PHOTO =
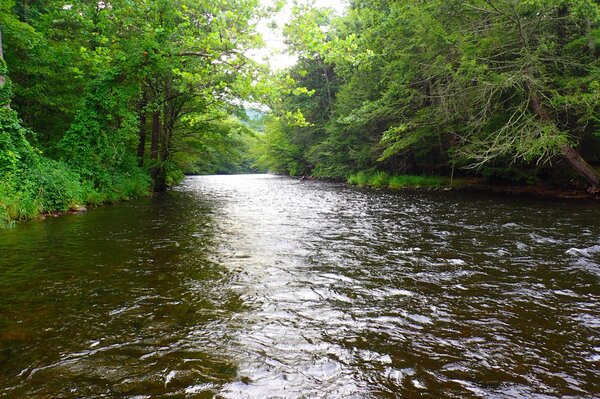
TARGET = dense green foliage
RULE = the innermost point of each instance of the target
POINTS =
(214, 147)
(108, 100)
(103, 101)
(508, 89)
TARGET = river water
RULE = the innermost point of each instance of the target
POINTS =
(259, 286)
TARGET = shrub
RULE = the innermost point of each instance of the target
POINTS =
(58, 187)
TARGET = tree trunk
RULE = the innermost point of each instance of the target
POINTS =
(155, 135)
(590, 38)
(577, 162)
(168, 123)
(2, 74)
(23, 17)
(142, 138)
(1, 49)
(158, 171)
(160, 176)
(581, 166)
(166, 133)
(168, 120)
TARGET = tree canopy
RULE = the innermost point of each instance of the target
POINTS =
(117, 92)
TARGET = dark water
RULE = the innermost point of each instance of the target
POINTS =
(268, 287)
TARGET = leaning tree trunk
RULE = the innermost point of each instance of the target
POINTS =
(160, 177)
(156, 168)
(142, 140)
(575, 160)
(170, 112)
(581, 166)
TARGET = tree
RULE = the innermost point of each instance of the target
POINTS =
(425, 86)
(506, 79)
(173, 58)
(93, 79)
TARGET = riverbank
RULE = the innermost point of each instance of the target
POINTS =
(538, 190)
(18, 207)
(33, 184)
(399, 182)
(55, 198)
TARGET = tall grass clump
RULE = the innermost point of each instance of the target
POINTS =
(401, 181)
(359, 179)
(7, 207)
(376, 179)
(379, 179)
(124, 186)
(40, 186)
(51, 186)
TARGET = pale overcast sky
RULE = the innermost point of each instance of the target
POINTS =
(274, 52)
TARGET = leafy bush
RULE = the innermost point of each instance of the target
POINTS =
(133, 184)
(31, 184)
(54, 185)
(174, 174)
(97, 145)
(7, 206)
(93, 196)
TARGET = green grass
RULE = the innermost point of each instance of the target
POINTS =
(418, 181)
(359, 179)
(379, 179)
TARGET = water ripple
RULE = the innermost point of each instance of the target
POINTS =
(270, 287)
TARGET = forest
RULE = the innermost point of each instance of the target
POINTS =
(103, 101)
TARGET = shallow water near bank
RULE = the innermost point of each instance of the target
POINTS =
(259, 286)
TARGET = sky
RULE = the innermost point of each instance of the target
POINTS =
(275, 47)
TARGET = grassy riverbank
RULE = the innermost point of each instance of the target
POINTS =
(52, 188)
(380, 179)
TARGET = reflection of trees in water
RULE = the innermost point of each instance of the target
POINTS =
(114, 300)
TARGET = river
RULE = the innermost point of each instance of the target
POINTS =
(259, 286)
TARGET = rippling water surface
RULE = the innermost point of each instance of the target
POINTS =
(268, 287)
